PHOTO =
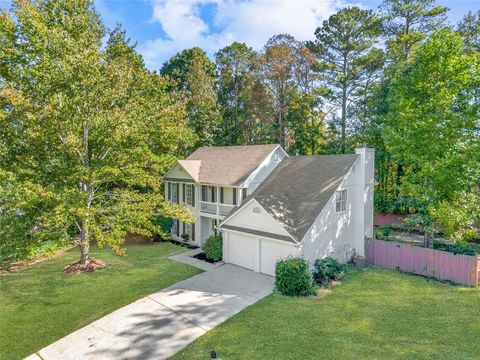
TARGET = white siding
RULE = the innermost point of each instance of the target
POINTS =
(253, 216)
(264, 169)
(178, 172)
(332, 232)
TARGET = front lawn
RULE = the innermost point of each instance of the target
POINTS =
(41, 304)
(375, 314)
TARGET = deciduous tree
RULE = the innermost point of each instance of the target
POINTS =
(85, 130)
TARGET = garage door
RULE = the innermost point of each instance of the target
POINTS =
(270, 252)
(241, 250)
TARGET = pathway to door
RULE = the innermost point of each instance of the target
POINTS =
(164, 322)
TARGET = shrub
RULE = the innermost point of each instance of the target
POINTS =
(213, 248)
(164, 225)
(293, 277)
(185, 238)
(328, 269)
(386, 231)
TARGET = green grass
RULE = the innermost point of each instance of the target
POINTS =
(41, 304)
(375, 314)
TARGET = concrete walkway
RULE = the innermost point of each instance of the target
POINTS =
(164, 322)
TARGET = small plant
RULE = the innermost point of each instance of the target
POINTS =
(386, 231)
(213, 248)
(185, 238)
(293, 277)
(326, 270)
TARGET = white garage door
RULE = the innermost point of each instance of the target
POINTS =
(241, 250)
(270, 252)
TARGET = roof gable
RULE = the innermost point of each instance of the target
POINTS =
(253, 216)
(296, 192)
(229, 165)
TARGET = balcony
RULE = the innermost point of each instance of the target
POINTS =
(215, 208)
(208, 207)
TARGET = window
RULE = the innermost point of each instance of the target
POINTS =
(174, 193)
(188, 231)
(189, 194)
(175, 227)
(341, 200)
(209, 193)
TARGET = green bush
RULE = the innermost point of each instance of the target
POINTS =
(213, 248)
(456, 248)
(164, 225)
(327, 269)
(293, 277)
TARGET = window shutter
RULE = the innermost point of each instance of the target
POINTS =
(178, 193)
(221, 195)
(183, 192)
(178, 228)
(183, 231)
(169, 195)
(193, 232)
(244, 193)
(193, 195)
(234, 196)
(214, 190)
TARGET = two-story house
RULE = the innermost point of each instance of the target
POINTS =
(269, 205)
(213, 180)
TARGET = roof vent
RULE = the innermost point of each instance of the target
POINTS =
(256, 210)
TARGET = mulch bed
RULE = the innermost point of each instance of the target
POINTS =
(181, 244)
(77, 268)
(202, 256)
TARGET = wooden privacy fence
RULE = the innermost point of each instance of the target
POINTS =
(442, 265)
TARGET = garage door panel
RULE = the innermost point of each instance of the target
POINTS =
(270, 252)
(241, 250)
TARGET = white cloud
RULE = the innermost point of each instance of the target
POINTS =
(249, 21)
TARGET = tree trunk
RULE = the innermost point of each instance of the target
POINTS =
(344, 119)
(84, 246)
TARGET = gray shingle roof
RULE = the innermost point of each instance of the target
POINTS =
(229, 165)
(299, 188)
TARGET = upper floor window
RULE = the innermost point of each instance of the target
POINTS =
(174, 193)
(189, 194)
(209, 193)
(341, 200)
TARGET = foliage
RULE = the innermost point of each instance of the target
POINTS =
(469, 29)
(164, 224)
(408, 22)
(436, 90)
(236, 83)
(326, 270)
(213, 248)
(458, 219)
(194, 77)
(456, 248)
(293, 277)
(185, 238)
(400, 205)
(85, 129)
(63, 304)
(348, 62)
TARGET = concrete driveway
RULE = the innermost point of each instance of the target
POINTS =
(164, 322)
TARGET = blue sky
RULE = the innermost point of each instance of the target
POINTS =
(161, 28)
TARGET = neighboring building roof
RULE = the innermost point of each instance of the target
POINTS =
(299, 188)
(192, 167)
(229, 165)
